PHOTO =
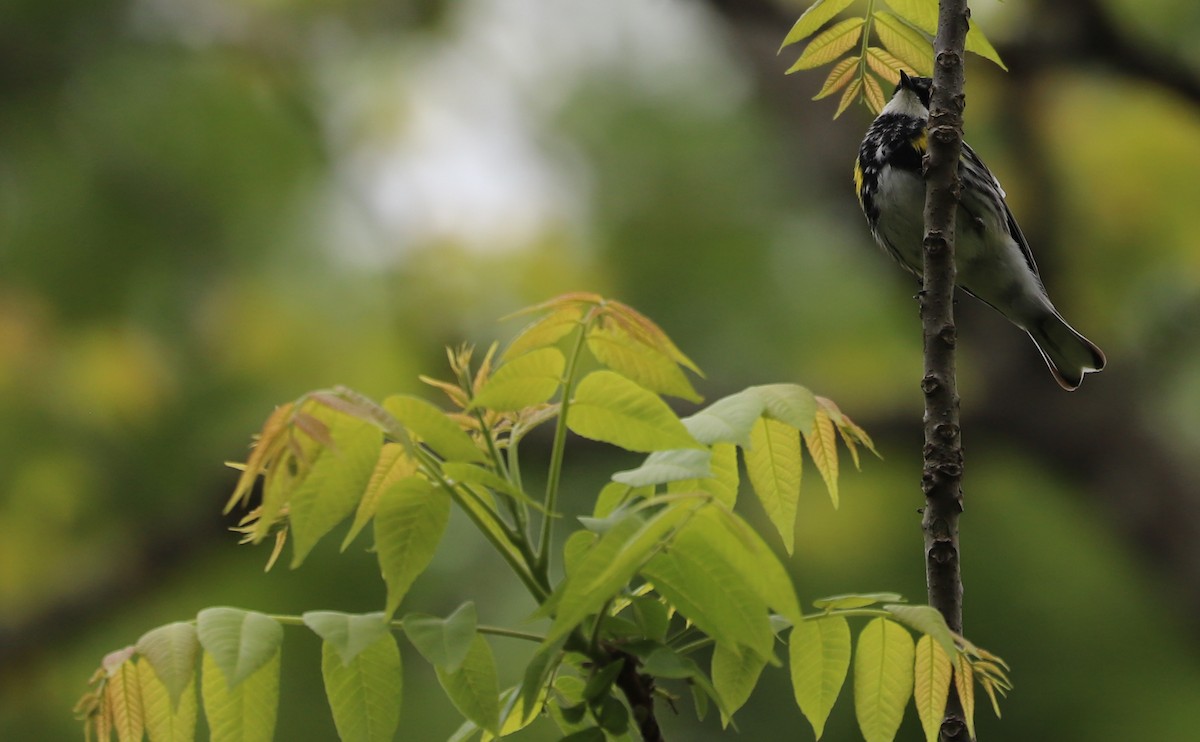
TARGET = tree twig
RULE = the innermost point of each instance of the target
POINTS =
(942, 472)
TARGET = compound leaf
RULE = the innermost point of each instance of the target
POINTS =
(610, 408)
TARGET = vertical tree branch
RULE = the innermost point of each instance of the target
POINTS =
(941, 477)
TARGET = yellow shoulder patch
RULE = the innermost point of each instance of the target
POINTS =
(858, 181)
(920, 142)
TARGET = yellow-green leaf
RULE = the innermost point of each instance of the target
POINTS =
(245, 712)
(364, 693)
(608, 407)
(848, 96)
(710, 578)
(822, 446)
(775, 468)
(813, 18)
(908, 45)
(722, 483)
(855, 600)
(473, 688)
(335, 480)
(964, 682)
(609, 564)
(840, 76)
(443, 642)
(545, 331)
(662, 467)
(409, 523)
(885, 64)
(924, 15)
(788, 403)
(931, 678)
(873, 93)
(646, 331)
(729, 419)
(431, 425)
(348, 633)
(172, 651)
(927, 620)
(830, 44)
(734, 675)
(525, 381)
(123, 695)
(749, 554)
(649, 366)
(269, 441)
(168, 719)
(819, 657)
(239, 642)
(393, 465)
(883, 678)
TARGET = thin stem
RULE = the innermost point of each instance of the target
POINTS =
(556, 453)
(398, 624)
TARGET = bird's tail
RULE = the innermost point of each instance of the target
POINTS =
(1068, 354)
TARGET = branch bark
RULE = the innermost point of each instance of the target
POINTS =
(941, 478)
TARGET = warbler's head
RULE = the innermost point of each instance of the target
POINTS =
(911, 97)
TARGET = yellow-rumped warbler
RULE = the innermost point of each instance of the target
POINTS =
(994, 261)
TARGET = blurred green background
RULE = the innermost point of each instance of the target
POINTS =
(208, 207)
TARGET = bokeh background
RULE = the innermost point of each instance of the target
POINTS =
(208, 207)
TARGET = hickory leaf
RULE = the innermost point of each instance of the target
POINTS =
(830, 44)
(813, 18)
(819, 657)
(364, 692)
(238, 642)
(610, 408)
(931, 679)
(409, 522)
(883, 678)
(245, 712)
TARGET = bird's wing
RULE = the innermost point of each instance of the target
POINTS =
(981, 174)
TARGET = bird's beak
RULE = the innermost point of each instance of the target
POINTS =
(905, 81)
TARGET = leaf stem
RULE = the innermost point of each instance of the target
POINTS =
(556, 453)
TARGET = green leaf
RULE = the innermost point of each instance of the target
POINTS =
(788, 403)
(964, 682)
(431, 425)
(172, 651)
(576, 545)
(123, 698)
(335, 481)
(728, 420)
(819, 657)
(840, 76)
(459, 471)
(908, 45)
(393, 465)
(883, 678)
(723, 482)
(168, 718)
(695, 576)
(756, 563)
(610, 408)
(661, 467)
(927, 620)
(813, 18)
(590, 734)
(239, 642)
(822, 446)
(613, 495)
(364, 692)
(775, 468)
(443, 642)
(830, 44)
(650, 367)
(931, 678)
(734, 675)
(545, 331)
(537, 674)
(522, 382)
(245, 712)
(348, 633)
(652, 616)
(410, 520)
(473, 688)
(855, 600)
(602, 679)
(611, 563)
(924, 15)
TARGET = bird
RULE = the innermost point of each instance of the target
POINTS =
(993, 259)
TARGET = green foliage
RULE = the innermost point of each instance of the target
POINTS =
(663, 569)
(906, 36)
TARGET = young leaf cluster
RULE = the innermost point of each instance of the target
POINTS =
(864, 71)
(663, 574)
